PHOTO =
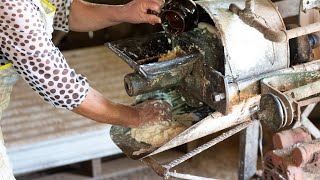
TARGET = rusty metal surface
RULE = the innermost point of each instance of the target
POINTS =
(289, 81)
(153, 164)
(215, 91)
(304, 91)
(228, 57)
(241, 60)
(197, 73)
(290, 89)
(285, 101)
(213, 123)
(121, 136)
(251, 87)
(271, 111)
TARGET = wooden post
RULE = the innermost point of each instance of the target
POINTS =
(249, 139)
(92, 167)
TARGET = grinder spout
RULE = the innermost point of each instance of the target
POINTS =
(164, 76)
(159, 60)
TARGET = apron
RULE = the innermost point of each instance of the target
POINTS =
(9, 76)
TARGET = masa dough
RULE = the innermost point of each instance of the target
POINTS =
(171, 54)
(158, 133)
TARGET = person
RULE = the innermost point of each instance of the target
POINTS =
(27, 51)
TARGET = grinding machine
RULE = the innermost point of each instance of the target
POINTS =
(237, 60)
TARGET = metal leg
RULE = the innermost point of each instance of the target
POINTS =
(314, 131)
(249, 138)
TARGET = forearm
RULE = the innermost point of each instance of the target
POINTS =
(100, 109)
(85, 16)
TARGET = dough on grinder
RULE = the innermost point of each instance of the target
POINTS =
(157, 134)
(175, 52)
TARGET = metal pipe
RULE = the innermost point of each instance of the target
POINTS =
(247, 16)
(300, 31)
(135, 84)
(309, 101)
(304, 91)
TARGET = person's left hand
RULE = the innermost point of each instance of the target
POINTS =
(136, 11)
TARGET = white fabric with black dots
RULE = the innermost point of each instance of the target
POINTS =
(26, 43)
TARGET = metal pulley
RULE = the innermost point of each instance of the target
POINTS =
(283, 96)
(272, 111)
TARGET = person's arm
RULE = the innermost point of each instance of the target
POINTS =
(26, 43)
(85, 16)
(98, 108)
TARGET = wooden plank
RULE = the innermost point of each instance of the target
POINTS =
(92, 167)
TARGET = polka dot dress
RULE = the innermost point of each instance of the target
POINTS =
(25, 42)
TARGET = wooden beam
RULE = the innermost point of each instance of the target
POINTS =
(92, 167)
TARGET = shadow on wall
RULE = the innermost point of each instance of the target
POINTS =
(74, 40)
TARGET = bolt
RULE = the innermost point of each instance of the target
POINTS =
(218, 96)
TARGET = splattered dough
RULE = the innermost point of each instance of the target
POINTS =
(175, 52)
(158, 133)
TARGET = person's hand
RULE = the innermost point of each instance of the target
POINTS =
(152, 111)
(136, 11)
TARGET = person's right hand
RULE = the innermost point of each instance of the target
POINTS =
(136, 11)
(152, 111)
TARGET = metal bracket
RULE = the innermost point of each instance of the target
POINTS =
(164, 170)
(293, 91)
(314, 131)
